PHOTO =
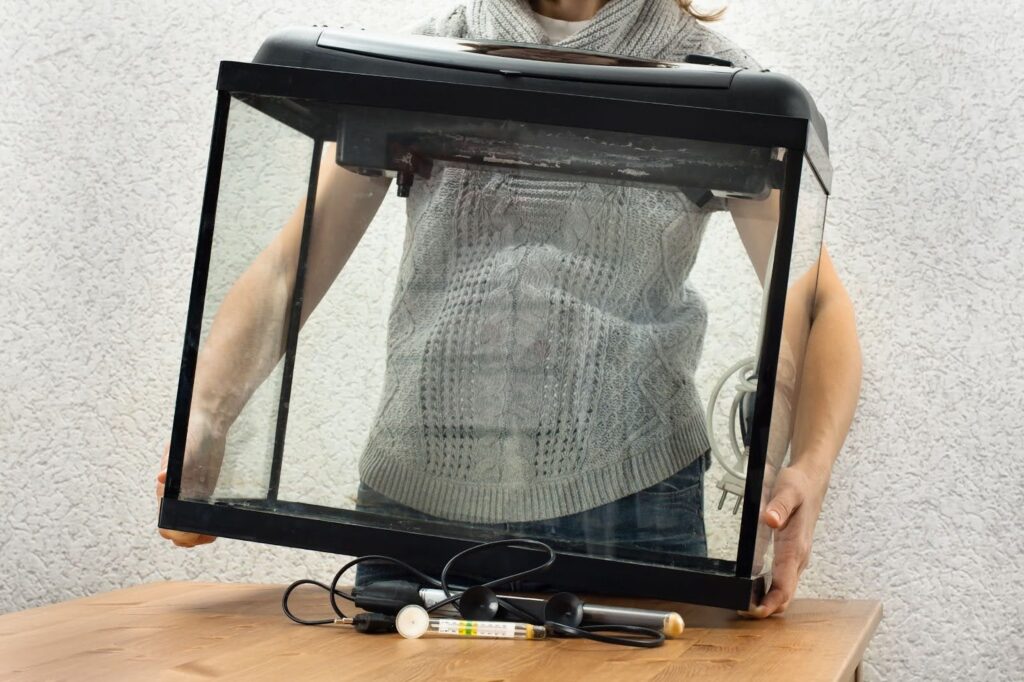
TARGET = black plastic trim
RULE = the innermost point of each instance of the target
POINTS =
(428, 552)
(768, 363)
(524, 99)
(197, 296)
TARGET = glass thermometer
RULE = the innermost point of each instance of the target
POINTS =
(413, 622)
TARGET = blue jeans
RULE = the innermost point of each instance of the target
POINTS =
(667, 518)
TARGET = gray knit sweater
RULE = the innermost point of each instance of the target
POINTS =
(543, 337)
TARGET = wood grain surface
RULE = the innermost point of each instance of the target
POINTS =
(193, 631)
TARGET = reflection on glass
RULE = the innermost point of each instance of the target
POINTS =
(548, 347)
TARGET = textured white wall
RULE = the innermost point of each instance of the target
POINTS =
(105, 111)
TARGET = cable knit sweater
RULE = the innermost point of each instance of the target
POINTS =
(543, 337)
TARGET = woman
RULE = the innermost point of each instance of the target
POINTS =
(592, 471)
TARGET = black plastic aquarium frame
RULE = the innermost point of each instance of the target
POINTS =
(290, 95)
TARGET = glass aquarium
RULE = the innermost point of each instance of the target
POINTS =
(451, 292)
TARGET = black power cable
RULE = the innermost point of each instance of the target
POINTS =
(479, 600)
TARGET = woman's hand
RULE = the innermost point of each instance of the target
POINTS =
(793, 513)
(204, 452)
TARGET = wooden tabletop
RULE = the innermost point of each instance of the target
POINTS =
(191, 631)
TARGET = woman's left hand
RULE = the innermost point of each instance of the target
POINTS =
(792, 512)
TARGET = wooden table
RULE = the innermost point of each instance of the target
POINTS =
(194, 631)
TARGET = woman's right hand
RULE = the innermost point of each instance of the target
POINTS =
(204, 452)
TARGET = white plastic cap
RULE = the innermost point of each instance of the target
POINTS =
(412, 621)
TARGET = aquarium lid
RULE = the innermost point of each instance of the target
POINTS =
(485, 71)
(519, 59)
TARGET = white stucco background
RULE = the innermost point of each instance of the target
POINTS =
(105, 112)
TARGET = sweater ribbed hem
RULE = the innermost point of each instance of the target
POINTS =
(400, 476)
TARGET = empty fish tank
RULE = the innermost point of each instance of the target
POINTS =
(451, 291)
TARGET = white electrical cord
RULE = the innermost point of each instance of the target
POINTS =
(747, 384)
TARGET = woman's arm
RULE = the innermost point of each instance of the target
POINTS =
(247, 337)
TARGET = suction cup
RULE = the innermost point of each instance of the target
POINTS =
(478, 603)
(564, 608)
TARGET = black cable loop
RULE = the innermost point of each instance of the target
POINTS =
(288, 593)
(333, 591)
(526, 617)
(643, 637)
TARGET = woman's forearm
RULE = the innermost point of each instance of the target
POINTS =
(830, 380)
(248, 335)
(246, 338)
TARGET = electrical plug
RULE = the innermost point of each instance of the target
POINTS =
(730, 484)
(370, 623)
